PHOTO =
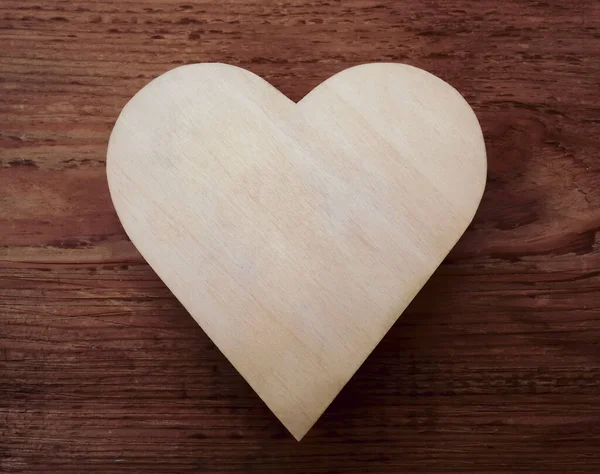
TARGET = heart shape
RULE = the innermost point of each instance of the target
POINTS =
(296, 234)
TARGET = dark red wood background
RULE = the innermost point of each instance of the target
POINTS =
(494, 368)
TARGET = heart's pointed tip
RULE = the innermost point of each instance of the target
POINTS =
(297, 429)
(298, 434)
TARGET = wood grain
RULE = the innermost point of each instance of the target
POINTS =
(494, 368)
(296, 234)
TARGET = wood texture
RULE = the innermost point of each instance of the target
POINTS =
(296, 234)
(495, 367)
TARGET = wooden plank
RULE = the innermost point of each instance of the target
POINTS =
(493, 368)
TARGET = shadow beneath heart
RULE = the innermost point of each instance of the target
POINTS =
(399, 391)
(397, 371)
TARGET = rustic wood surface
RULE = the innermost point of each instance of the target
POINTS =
(495, 367)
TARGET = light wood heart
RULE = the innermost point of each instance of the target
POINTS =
(296, 234)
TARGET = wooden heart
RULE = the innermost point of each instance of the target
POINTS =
(296, 234)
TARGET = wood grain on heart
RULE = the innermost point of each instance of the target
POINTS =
(296, 234)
